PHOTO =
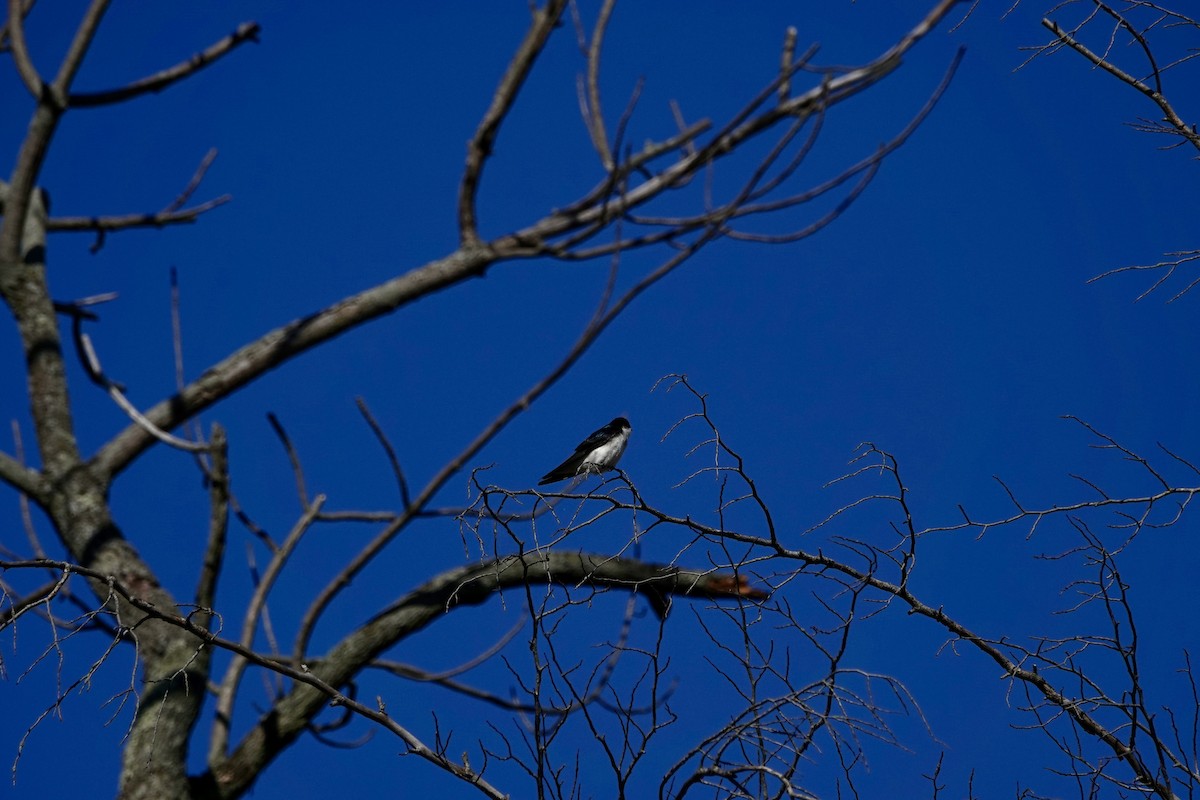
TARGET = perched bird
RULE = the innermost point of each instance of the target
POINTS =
(596, 453)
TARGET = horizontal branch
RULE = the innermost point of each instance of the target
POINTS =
(117, 222)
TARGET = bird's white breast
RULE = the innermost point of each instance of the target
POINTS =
(607, 454)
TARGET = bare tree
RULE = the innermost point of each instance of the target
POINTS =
(779, 607)
(175, 635)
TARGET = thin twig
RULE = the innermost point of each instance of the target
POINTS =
(227, 693)
(246, 32)
(91, 363)
(397, 470)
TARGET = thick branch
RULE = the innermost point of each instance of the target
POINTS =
(24, 288)
(22, 478)
(471, 585)
(51, 105)
(282, 344)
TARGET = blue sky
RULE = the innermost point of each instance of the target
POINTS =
(946, 316)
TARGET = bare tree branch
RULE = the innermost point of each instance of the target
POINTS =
(218, 526)
(15, 29)
(473, 260)
(1167, 270)
(227, 693)
(1170, 116)
(246, 32)
(51, 105)
(22, 478)
(480, 146)
(595, 114)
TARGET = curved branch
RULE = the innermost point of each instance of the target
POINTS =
(465, 586)
(91, 365)
(595, 114)
(20, 52)
(1012, 669)
(246, 32)
(26, 8)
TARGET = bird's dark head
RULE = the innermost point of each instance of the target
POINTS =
(621, 422)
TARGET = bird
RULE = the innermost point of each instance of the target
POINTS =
(596, 453)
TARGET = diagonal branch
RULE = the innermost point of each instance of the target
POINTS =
(22, 478)
(227, 693)
(246, 32)
(751, 122)
(480, 146)
(79, 47)
(284, 343)
(1180, 127)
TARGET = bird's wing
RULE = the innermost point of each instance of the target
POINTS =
(597, 438)
(567, 469)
